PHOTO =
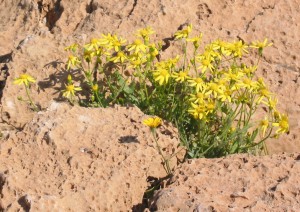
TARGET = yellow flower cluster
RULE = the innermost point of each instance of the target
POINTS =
(211, 85)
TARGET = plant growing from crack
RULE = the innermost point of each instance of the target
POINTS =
(26, 80)
(208, 92)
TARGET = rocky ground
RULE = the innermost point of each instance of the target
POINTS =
(83, 159)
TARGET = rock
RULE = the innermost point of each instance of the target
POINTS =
(75, 158)
(234, 183)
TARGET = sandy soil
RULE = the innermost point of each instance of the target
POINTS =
(71, 158)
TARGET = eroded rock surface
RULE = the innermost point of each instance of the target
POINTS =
(81, 159)
(236, 183)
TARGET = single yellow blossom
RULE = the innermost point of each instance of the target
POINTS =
(206, 63)
(198, 111)
(95, 88)
(25, 79)
(106, 40)
(162, 76)
(196, 40)
(282, 124)
(263, 125)
(221, 46)
(145, 32)
(180, 76)
(183, 33)
(210, 106)
(117, 43)
(271, 102)
(247, 83)
(199, 97)
(226, 95)
(261, 45)
(120, 57)
(152, 122)
(153, 51)
(214, 89)
(93, 45)
(137, 46)
(237, 48)
(198, 83)
(72, 60)
(70, 90)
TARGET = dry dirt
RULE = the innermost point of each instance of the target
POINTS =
(83, 159)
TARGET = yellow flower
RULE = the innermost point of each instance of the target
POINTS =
(95, 87)
(271, 103)
(263, 93)
(282, 124)
(226, 95)
(137, 46)
(263, 125)
(221, 46)
(72, 60)
(152, 122)
(199, 97)
(206, 63)
(237, 48)
(171, 63)
(145, 32)
(214, 89)
(136, 60)
(197, 110)
(261, 45)
(183, 33)
(247, 83)
(232, 76)
(210, 106)
(72, 47)
(120, 57)
(180, 76)
(249, 71)
(106, 40)
(69, 79)
(88, 55)
(70, 91)
(94, 44)
(117, 43)
(195, 40)
(198, 83)
(25, 79)
(210, 52)
(161, 75)
(153, 51)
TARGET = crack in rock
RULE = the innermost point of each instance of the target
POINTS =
(132, 9)
(261, 13)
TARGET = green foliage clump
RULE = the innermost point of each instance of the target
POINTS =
(210, 95)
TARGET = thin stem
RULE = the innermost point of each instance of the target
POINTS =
(35, 108)
(165, 161)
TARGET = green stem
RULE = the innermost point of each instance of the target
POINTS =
(35, 108)
(165, 161)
